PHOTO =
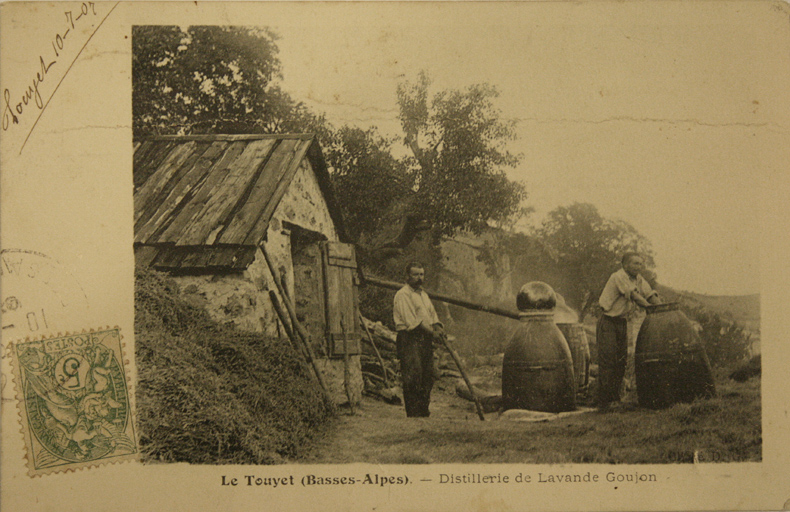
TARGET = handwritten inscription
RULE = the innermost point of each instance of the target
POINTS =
(16, 105)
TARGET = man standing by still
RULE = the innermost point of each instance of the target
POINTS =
(625, 289)
(417, 326)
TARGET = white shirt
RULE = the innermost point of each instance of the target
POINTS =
(411, 308)
(616, 296)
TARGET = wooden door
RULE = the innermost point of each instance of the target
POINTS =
(309, 291)
(341, 298)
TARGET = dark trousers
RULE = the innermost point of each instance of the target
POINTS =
(415, 351)
(612, 338)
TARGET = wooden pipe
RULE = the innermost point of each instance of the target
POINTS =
(392, 285)
(346, 366)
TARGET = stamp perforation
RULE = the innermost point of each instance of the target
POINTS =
(79, 397)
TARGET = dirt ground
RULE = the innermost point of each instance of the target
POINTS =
(722, 429)
(377, 432)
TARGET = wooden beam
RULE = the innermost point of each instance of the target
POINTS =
(444, 298)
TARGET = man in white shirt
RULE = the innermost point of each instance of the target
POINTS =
(625, 290)
(417, 326)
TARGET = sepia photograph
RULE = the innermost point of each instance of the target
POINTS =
(394, 256)
(539, 274)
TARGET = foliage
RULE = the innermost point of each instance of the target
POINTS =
(726, 342)
(208, 393)
(211, 79)
(458, 143)
(368, 180)
(589, 247)
(220, 79)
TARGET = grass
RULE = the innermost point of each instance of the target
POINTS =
(210, 394)
(723, 429)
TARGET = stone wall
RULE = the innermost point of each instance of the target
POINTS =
(303, 204)
(242, 298)
(465, 276)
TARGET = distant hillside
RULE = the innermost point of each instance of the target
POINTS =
(744, 309)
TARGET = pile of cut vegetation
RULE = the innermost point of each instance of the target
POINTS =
(208, 393)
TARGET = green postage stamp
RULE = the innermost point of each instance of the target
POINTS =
(74, 401)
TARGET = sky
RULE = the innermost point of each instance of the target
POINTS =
(658, 113)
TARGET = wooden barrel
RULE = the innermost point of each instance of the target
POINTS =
(670, 362)
(537, 370)
(580, 354)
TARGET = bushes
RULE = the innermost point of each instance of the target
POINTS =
(726, 342)
(208, 393)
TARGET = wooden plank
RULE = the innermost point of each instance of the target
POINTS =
(233, 137)
(210, 221)
(191, 258)
(168, 257)
(258, 195)
(340, 298)
(150, 164)
(257, 226)
(155, 202)
(142, 152)
(202, 257)
(246, 256)
(145, 254)
(146, 162)
(147, 193)
(340, 250)
(200, 194)
(172, 229)
(341, 255)
(341, 282)
(232, 255)
(179, 195)
(342, 263)
(220, 256)
(142, 156)
(309, 293)
(228, 233)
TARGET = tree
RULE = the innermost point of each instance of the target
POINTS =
(458, 140)
(210, 79)
(368, 180)
(588, 248)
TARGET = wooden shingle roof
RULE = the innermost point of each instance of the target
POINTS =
(218, 191)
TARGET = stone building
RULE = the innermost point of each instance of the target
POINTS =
(208, 206)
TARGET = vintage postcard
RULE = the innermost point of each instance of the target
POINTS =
(395, 255)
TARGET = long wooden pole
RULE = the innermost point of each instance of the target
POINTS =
(392, 285)
(297, 325)
(291, 335)
(376, 350)
(346, 366)
(457, 360)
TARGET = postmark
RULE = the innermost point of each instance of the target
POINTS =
(73, 398)
(39, 295)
